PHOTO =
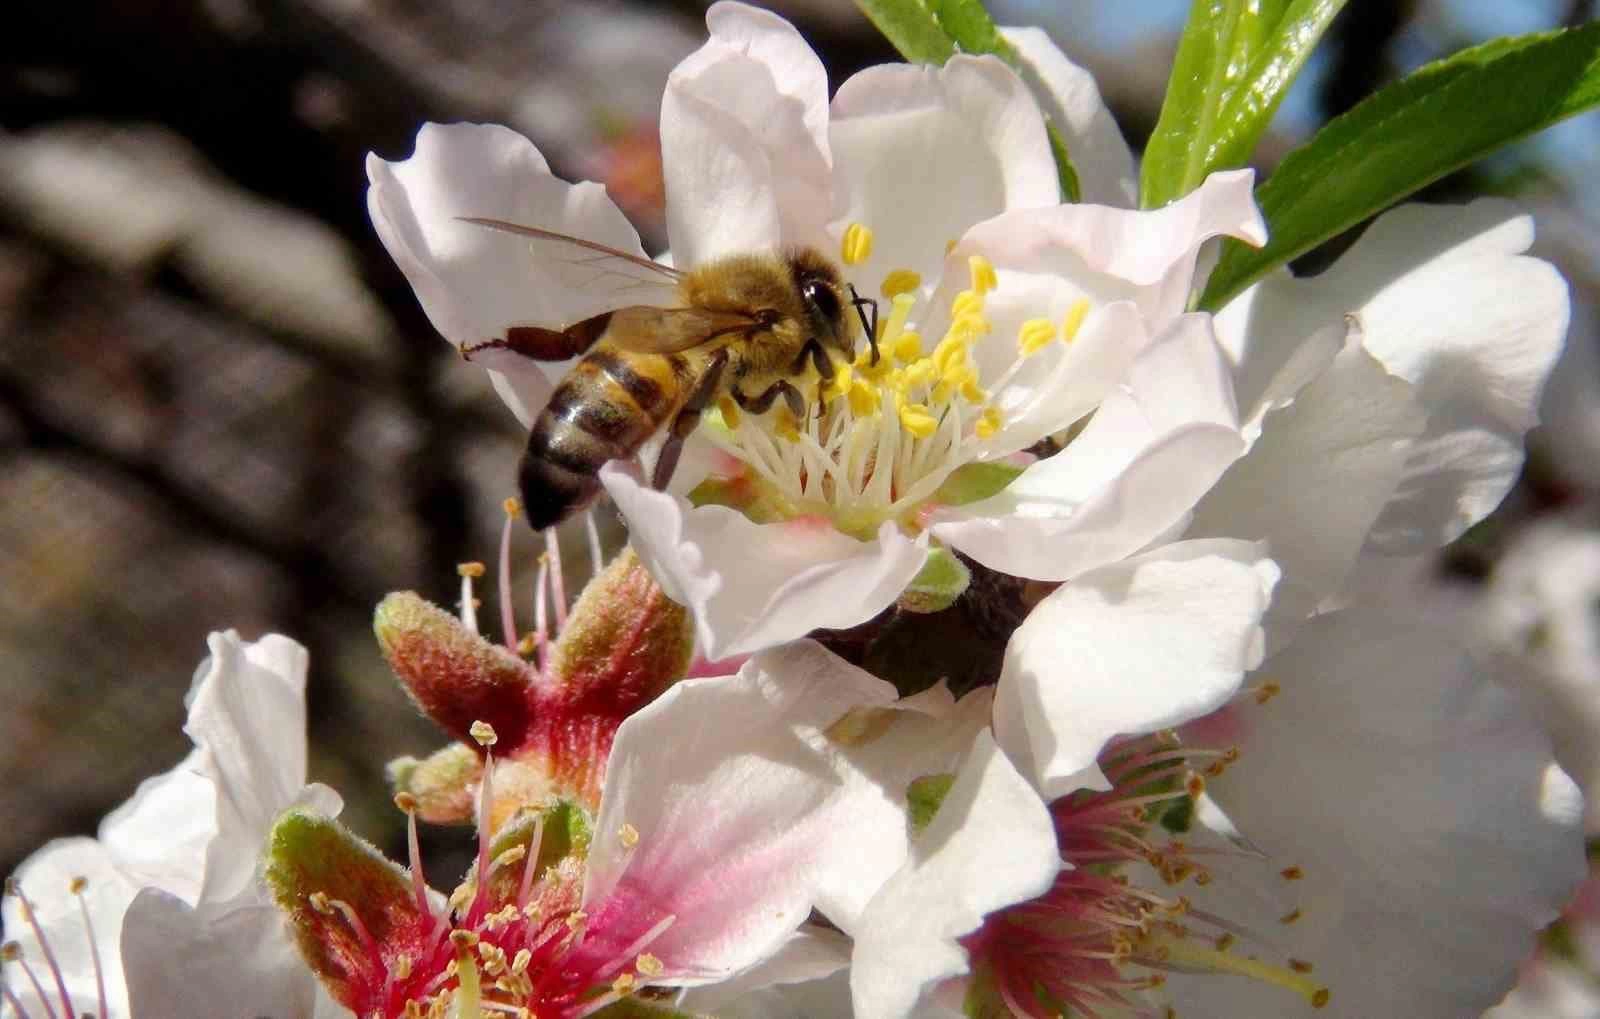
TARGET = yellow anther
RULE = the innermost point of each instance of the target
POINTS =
(949, 245)
(900, 281)
(513, 507)
(863, 399)
(919, 373)
(1074, 320)
(483, 732)
(989, 422)
(982, 274)
(729, 411)
(950, 353)
(857, 246)
(470, 570)
(1035, 335)
(624, 984)
(970, 390)
(914, 418)
(968, 327)
(908, 347)
(628, 834)
(648, 965)
(968, 302)
(839, 385)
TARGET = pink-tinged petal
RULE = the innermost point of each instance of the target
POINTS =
(1431, 832)
(182, 961)
(923, 153)
(247, 716)
(752, 585)
(744, 142)
(742, 814)
(1316, 479)
(795, 976)
(46, 879)
(991, 844)
(1129, 649)
(1447, 301)
(1071, 100)
(1152, 449)
(474, 282)
(1112, 254)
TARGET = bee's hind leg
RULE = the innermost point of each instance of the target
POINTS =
(686, 421)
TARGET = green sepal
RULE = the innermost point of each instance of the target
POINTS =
(923, 798)
(1179, 817)
(308, 854)
(1436, 120)
(624, 639)
(942, 579)
(1235, 63)
(565, 836)
(443, 784)
(973, 481)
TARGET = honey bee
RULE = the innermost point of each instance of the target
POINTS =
(747, 320)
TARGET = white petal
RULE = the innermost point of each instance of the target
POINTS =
(1071, 100)
(1148, 454)
(45, 877)
(183, 962)
(990, 845)
(1419, 800)
(474, 282)
(1111, 254)
(793, 982)
(742, 815)
(1318, 476)
(752, 585)
(744, 144)
(159, 836)
(1449, 303)
(923, 153)
(1129, 649)
(247, 718)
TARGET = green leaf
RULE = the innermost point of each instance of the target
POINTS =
(1443, 117)
(911, 28)
(942, 579)
(1235, 63)
(924, 796)
(976, 480)
(966, 22)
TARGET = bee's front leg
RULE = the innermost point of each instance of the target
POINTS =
(762, 401)
(819, 360)
(688, 417)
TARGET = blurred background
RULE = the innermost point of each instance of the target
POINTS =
(220, 405)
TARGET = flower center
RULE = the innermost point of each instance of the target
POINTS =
(1070, 950)
(878, 440)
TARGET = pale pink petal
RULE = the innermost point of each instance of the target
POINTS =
(796, 976)
(1071, 100)
(990, 845)
(742, 813)
(744, 142)
(1419, 802)
(474, 282)
(1112, 254)
(1150, 452)
(752, 585)
(1316, 479)
(923, 153)
(1129, 649)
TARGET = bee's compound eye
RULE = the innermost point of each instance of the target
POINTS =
(821, 297)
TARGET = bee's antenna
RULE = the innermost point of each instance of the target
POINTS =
(861, 305)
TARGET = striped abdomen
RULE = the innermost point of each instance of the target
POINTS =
(605, 409)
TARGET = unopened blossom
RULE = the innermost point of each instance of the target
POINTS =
(730, 810)
(161, 914)
(1006, 318)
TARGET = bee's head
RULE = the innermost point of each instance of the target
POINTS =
(827, 299)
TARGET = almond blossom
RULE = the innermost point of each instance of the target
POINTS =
(161, 914)
(1009, 317)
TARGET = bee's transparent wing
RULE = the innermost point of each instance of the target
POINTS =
(594, 269)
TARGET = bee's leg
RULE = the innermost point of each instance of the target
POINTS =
(542, 344)
(686, 420)
(762, 401)
(819, 360)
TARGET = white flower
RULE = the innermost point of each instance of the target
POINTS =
(168, 919)
(1382, 831)
(1010, 318)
